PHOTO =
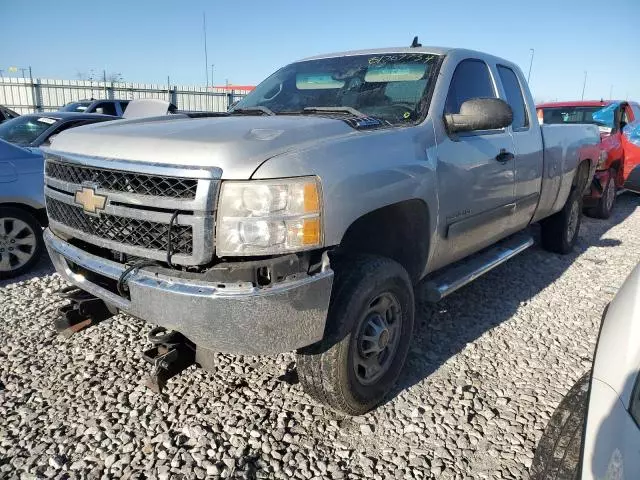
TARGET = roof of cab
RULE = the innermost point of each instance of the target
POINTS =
(383, 51)
(462, 52)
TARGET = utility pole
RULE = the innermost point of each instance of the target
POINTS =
(584, 84)
(206, 58)
(212, 65)
(23, 70)
(530, 64)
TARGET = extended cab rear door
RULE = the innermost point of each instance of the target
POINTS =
(475, 171)
(527, 139)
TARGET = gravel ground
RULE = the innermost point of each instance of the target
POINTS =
(488, 367)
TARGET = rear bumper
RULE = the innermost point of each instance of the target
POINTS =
(229, 318)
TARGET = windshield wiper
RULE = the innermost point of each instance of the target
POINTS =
(256, 109)
(361, 121)
(350, 110)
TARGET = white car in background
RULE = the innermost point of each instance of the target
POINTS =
(595, 431)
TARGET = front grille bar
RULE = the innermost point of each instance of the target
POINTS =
(120, 181)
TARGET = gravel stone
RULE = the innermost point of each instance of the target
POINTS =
(487, 368)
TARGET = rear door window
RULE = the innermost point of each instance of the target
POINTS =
(471, 79)
(515, 97)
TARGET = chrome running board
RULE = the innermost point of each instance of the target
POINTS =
(459, 274)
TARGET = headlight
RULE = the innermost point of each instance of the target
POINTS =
(602, 160)
(266, 217)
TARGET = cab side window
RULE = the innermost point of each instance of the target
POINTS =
(106, 108)
(514, 97)
(471, 79)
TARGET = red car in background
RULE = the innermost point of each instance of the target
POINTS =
(620, 155)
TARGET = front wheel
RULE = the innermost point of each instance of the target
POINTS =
(560, 231)
(369, 329)
(558, 453)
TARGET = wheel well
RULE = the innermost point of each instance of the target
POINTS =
(40, 214)
(399, 231)
(616, 165)
(582, 174)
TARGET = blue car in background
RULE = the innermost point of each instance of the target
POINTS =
(22, 208)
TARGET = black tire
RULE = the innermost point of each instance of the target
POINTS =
(607, 200)
(559, 232)
(331, 371)
(558, 453)
(9, 218)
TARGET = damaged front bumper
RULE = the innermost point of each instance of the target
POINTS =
(230, 318)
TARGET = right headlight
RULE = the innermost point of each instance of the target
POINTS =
(267, 217)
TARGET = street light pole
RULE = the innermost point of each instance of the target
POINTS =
(584, 84)
(530, 64)
(206, 58)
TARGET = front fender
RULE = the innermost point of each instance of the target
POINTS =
(364, 172)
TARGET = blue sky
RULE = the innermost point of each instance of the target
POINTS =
(147, 40)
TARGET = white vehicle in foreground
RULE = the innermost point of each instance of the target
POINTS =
(595, 432)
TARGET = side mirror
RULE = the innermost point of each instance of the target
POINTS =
(480, 114)
(633, 181)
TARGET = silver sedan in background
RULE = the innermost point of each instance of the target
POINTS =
(595, 431)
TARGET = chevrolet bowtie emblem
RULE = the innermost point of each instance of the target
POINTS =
(90, 201)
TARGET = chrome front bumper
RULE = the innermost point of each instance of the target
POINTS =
(230, 318)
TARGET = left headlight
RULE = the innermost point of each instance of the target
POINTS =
(267, 217)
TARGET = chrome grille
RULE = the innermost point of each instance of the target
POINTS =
(120, 181)
(129, 231)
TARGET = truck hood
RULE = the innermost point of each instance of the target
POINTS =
(236, 144)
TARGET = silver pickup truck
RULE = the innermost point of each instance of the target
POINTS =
(302, 218)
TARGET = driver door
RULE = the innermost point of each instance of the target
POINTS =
(476, 171)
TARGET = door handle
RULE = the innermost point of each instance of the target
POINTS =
(504, 156)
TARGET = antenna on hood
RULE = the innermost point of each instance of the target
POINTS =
(415, 43)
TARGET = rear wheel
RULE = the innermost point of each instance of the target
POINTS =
(608, 199)
(369, 328)
(560, 231)
(20, 241)
(558, 453)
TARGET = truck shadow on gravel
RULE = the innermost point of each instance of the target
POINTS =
(444, 329)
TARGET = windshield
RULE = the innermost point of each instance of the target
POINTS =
(556, 115)
(24, 130)
(389, 87)
(75, 107)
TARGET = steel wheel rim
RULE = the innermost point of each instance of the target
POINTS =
(377, 338)
(610, 195)
(17, 243)
(574, 215)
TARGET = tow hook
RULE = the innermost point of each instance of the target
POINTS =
(83, 311)
(170, 355)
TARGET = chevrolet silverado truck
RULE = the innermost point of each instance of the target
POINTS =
(620, 153)
(303, 218)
